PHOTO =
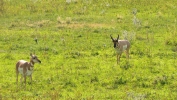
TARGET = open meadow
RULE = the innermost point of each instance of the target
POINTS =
(77, 54)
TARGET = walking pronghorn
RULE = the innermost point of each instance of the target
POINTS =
(121, 46)
(26, 68)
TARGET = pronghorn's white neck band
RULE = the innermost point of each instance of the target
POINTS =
(32, 64)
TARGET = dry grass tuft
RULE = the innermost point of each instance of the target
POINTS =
(119, 17)
(68, 20)
(42, 23)
(59, 20)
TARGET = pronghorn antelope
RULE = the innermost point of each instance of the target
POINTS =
(121, 46)
(26, 68)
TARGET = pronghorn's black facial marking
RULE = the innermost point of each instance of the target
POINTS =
(115, 41)
(35, 59)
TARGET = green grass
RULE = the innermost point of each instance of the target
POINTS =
(78, 58)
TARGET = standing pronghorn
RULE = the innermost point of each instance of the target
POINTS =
(120, 46)
(26, 68)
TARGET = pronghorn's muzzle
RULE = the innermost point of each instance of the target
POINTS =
(114, 45)
(39, 61)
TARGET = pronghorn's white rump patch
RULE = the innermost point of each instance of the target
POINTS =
(124, 47)
(32, 64)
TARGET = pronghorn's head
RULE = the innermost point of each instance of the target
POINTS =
(34, 58)
(115, 41)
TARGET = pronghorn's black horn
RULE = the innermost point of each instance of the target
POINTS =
(111, 37)
(118, 37)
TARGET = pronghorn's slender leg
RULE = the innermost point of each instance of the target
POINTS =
(25, 80)
(21, 79)
(17, 74)
(127, 54)
(17, 77)
(31, 78)
(118, 58)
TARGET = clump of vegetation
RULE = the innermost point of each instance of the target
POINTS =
(59, 20)
(68, 20)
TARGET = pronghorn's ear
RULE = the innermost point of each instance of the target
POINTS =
(111, 37)
(118, 37)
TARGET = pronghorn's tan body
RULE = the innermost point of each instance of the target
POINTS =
(26, 68)
(121, 46)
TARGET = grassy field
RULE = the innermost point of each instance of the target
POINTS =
(77, 54)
